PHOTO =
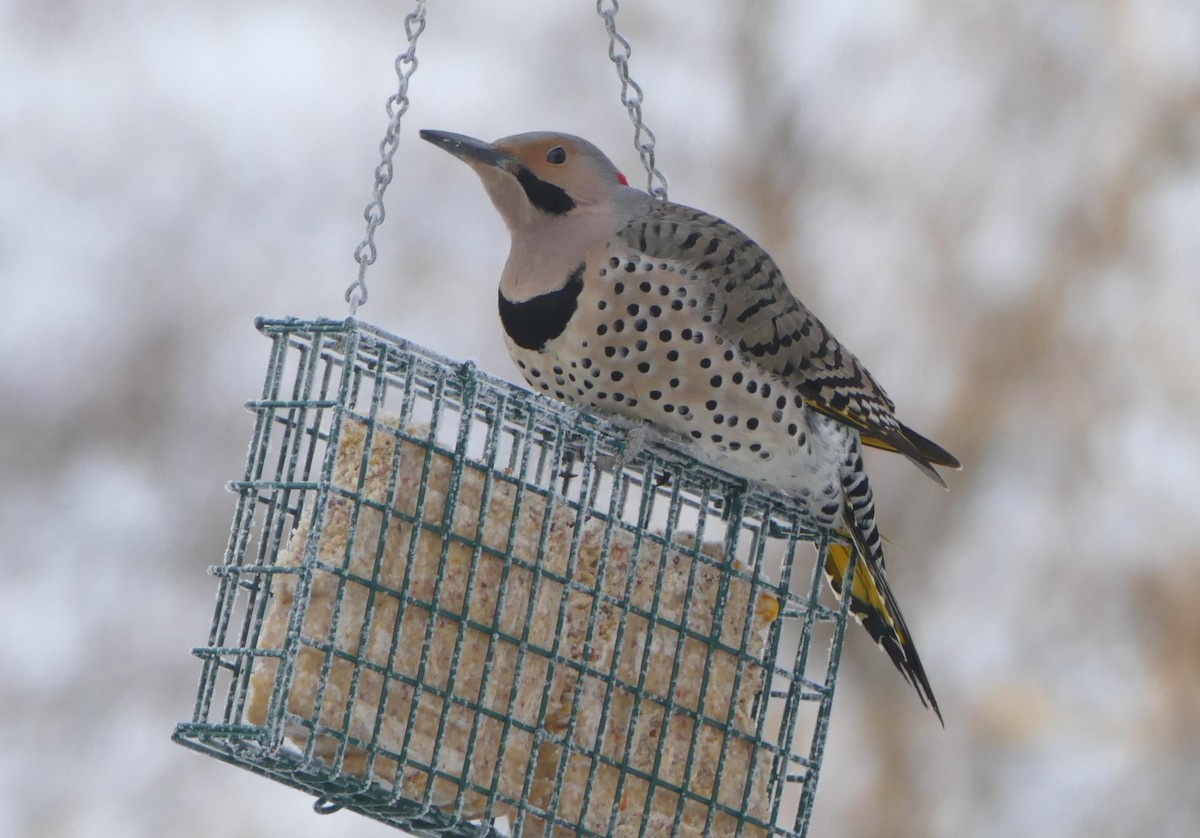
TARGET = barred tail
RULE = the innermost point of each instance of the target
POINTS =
(872, 601)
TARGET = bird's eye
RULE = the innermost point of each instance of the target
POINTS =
(556, 155)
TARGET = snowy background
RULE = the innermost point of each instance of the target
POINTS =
(995, 205)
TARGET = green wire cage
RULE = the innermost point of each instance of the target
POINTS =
(461, 608)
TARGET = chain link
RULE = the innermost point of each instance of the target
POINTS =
(619, 51)
(397, 104)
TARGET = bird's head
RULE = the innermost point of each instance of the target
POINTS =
(539, 176)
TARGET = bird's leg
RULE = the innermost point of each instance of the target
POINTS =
(637, 438)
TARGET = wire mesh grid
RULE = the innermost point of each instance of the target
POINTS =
(457, 607)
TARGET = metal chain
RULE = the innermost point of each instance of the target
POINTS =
(397, 104)
(619, 51)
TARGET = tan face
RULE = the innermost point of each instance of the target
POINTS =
(540, 178)
(573, 165)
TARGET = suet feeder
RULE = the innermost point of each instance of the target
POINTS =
(465, 609)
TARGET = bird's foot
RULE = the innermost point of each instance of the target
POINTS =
(636, 440)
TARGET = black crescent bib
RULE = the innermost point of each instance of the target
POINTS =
(534, 322)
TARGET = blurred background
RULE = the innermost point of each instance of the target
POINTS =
(995, 205)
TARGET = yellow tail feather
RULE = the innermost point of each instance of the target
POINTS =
(875, 608)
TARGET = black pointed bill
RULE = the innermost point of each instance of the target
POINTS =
(542, 194)
(468, 148)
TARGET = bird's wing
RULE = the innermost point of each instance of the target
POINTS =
(750, 305)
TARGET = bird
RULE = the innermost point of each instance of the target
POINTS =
(616, 301)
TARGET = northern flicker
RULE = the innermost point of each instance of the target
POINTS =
(661, 313)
